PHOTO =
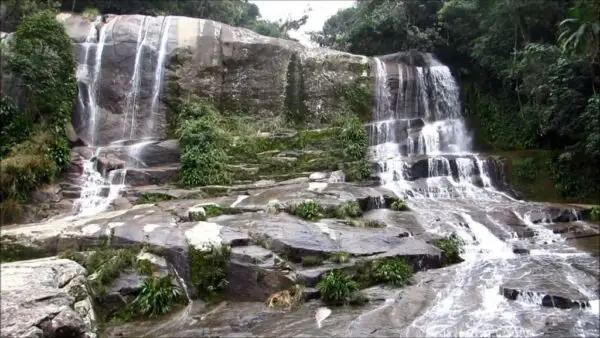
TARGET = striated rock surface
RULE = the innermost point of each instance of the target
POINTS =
(54, 303)
(234, 67)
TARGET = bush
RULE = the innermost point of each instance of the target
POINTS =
(399, 205)
(15, 128)
(595, 214)
(524, 170)
(209, 268)
(349, 209)
(156, 297)
(309, 210)
(203, 146)
(452, 247)
(352, 140)
(392, 271)
(336, 287)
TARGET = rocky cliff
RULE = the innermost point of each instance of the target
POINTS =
(235, 68)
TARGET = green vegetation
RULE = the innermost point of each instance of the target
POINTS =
(12, 252)
(209, 269)
(529, 78)
(308, 210)
(308, 261)
(337, 288)
(340, 257)
(91, 13)
(399, 205)
(34, 147)
(392, 271)
(202, 145)
(349, 209)
(295, 109)
(595, 214)
(452, 247)
(157, 297)
(150, 198)
(351, 137)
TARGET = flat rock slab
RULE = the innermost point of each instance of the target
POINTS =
(54, 302)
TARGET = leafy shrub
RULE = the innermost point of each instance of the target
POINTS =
(311, 261)
(399, 205)
(15, 127)
(452, 247)
(156, 297)
(393, 271)
(203, 146)
(209, 268)
(349, 209)
(336, 287)
(352, 140)
(595, 214)
(309, 210)
(340, 257)
(91, 13)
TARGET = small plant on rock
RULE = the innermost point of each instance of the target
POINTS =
(392, 271)
(340, 257)
(144, 267)
(156, 297)
(349, 209)
(209, 266)
(309, 210)
(452, 247)
(336, 287)
(399, 205)
(288, 299)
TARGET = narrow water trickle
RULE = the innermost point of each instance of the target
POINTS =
(99, 190)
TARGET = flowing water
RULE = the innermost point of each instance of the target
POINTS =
(99, 190)
(423, 152)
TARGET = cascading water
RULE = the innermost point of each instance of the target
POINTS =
(422, 151)
(100, 189)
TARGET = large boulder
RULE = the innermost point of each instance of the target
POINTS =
(234, 67)
(45, 297)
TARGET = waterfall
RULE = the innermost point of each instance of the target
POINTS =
(99, 191)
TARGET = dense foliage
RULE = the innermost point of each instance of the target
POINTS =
(40, 62)
(336, 287)
(530, 77)
(157, 297)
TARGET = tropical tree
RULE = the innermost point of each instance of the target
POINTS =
(580, 32)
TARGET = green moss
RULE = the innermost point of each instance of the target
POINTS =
(452, 247)
(148, 198)
(308, 261)
(209, 269)
(355, 98)
(216, 190)
(365, 223)
(340, 257)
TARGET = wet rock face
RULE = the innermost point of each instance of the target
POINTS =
(55, 302)
(234, 67)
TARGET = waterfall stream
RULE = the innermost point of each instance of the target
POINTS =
(99, 190)
(422, 149)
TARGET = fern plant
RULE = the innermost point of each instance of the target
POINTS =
(156, 298)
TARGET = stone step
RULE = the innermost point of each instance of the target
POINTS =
(70, 186)
(71, 194)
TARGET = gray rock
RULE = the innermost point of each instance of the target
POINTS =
(233, 66)
(45, 296)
